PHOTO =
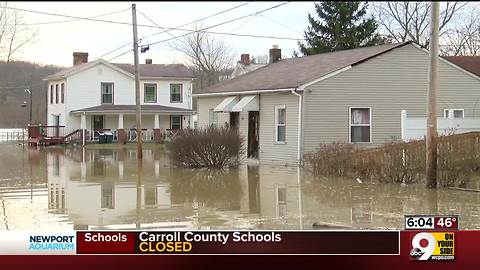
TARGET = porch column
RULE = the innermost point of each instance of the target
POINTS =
(83, 126)
(157, 133)
(121, 134)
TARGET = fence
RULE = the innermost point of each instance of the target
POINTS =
(458, 160)
(415, 128)
(13, 134)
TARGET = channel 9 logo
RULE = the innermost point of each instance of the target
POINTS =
(437, 246)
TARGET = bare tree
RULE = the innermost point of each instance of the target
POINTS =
(210, 56)
(14, 34)
(409, 21)
(464, 39)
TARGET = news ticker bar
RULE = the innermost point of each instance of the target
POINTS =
(201, 242)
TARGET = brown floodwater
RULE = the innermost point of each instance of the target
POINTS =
(63, 189)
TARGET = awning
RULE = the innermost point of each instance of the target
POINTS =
(227, 104)
(246, 104)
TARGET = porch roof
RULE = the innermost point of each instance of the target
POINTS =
(112, 108)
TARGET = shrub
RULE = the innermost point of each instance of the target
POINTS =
(458, 160)
(206, 147)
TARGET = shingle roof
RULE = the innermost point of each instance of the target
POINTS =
(145, 70)
(292, 72)
(158, 70)
(131, 108)
(469, 63)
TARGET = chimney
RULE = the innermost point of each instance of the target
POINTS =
(80, 58)
(245, 59)
(148, 61)
(275, 54)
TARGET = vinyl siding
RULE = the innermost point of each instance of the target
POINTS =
(388, 83)
(270, 151)
(207, 103)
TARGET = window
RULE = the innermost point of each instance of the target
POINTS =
(62, 93)
(107, 93)
(176, 90)
(360, 125)
(56, 93)
(280, 123)
(108, 196)
(212, 118)
(150, 93)
(150, 195)
(51, 94)
(457, 113)
(175, 121)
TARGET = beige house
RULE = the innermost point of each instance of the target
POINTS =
(290, 106)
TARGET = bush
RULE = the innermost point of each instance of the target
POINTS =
(206, 147)
(458, 160)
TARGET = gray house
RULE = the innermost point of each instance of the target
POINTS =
(290, 106)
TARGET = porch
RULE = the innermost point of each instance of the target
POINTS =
(158, 122)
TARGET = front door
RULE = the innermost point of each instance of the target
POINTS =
(98, 121)
(234, 117)
(253, 124)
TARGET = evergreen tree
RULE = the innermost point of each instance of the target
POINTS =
(341, 25)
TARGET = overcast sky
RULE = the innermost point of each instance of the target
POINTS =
(55, 42)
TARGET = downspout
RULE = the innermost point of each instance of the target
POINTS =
(299, 128)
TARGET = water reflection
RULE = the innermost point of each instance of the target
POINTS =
(108, 189)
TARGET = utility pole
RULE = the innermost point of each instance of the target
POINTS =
(138, 108)
(431, 139)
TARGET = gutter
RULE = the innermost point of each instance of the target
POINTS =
(244, 92)
(300, 124)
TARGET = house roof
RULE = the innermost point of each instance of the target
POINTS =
(131, 108)
(293, 72)
(145, 70)
(469, 63)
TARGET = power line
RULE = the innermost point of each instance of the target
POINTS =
(72, 20)
(212, 26)
(163, 31)
(232, 20)
(153, 26)
(281, 24)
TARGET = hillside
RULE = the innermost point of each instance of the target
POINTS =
(14, 78)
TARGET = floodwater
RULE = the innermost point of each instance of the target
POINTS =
(64, 189)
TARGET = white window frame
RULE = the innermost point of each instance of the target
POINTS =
(171, 121)
(101, 92)
(145, 85)
(212, 118)
(276, 124)
(445, 112)
(181, 93)
(359, 125)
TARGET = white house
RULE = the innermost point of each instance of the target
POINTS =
(100, 96)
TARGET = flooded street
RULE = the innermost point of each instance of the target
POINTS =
(64, 189)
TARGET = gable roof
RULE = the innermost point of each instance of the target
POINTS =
(145, 70)
(293, 72)
(469, 63)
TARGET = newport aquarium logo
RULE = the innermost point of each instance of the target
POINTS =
(51, 242)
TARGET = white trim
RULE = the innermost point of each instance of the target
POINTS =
(276, 124)
(350, 123)
(447, 62)
(243, 92)
(331, 74)
(300, 126)
(87, 66)
(446, 111)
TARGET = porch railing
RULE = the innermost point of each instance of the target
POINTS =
(35, 131)
(147, 135)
